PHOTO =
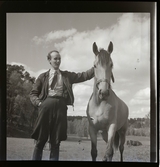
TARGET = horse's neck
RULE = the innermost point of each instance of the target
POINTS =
(95, 93)
(95, 90)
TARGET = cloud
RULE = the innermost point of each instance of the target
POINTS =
(81, 88)
(139, 113)
(37, 40)
(59, 34)
(122, 93)
(143, 94)
(130, 37)
(140, 103)
(19, 64)
(28, 69)
(53, 35)
(82, 94)
(36, 74)
(142, 97)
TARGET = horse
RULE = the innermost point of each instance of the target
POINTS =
(106, 112)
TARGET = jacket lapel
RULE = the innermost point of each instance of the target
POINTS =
(46, 81)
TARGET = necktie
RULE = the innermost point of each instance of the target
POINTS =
(54, 81)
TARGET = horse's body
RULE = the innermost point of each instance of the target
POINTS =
(106, 112)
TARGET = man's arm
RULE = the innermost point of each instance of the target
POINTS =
(81, 77)
(34, 94)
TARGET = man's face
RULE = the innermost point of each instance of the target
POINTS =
(55, 60)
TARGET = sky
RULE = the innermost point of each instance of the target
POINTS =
(30, 36)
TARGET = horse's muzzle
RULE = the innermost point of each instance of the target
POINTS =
(103, 94)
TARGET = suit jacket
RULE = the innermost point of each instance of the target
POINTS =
(39, 91)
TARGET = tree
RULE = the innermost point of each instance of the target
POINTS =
(147, 120)
(85, 127)
(14, 88)
(20, 111)
(70, 128)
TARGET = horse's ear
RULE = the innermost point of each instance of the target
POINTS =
(112, 76)
(110, 47)
(95, 49)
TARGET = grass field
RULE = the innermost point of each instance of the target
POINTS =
(73, 150)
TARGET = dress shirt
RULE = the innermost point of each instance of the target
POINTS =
(58, 89)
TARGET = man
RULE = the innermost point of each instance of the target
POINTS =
(51, 93)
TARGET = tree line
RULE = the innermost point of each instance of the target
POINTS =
(139, 126)
(21, 114)
(78, 125)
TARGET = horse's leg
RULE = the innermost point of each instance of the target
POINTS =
(121, 146)
(122, 135)
(105, 135)
(109, 151)
(93, 136)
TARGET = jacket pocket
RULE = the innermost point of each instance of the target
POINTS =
(44, 91)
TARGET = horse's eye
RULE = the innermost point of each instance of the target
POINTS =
(94, 66)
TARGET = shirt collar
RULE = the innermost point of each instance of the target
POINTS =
(52, 71)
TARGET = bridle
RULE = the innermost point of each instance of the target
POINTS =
(102, 80)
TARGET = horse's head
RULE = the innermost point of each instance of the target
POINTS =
(103, 70)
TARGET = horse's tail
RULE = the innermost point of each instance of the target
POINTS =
(116, 141)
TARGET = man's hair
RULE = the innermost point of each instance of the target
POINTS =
(49, 54)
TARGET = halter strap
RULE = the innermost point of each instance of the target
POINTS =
(102, 80)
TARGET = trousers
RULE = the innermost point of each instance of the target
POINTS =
(51, 125)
